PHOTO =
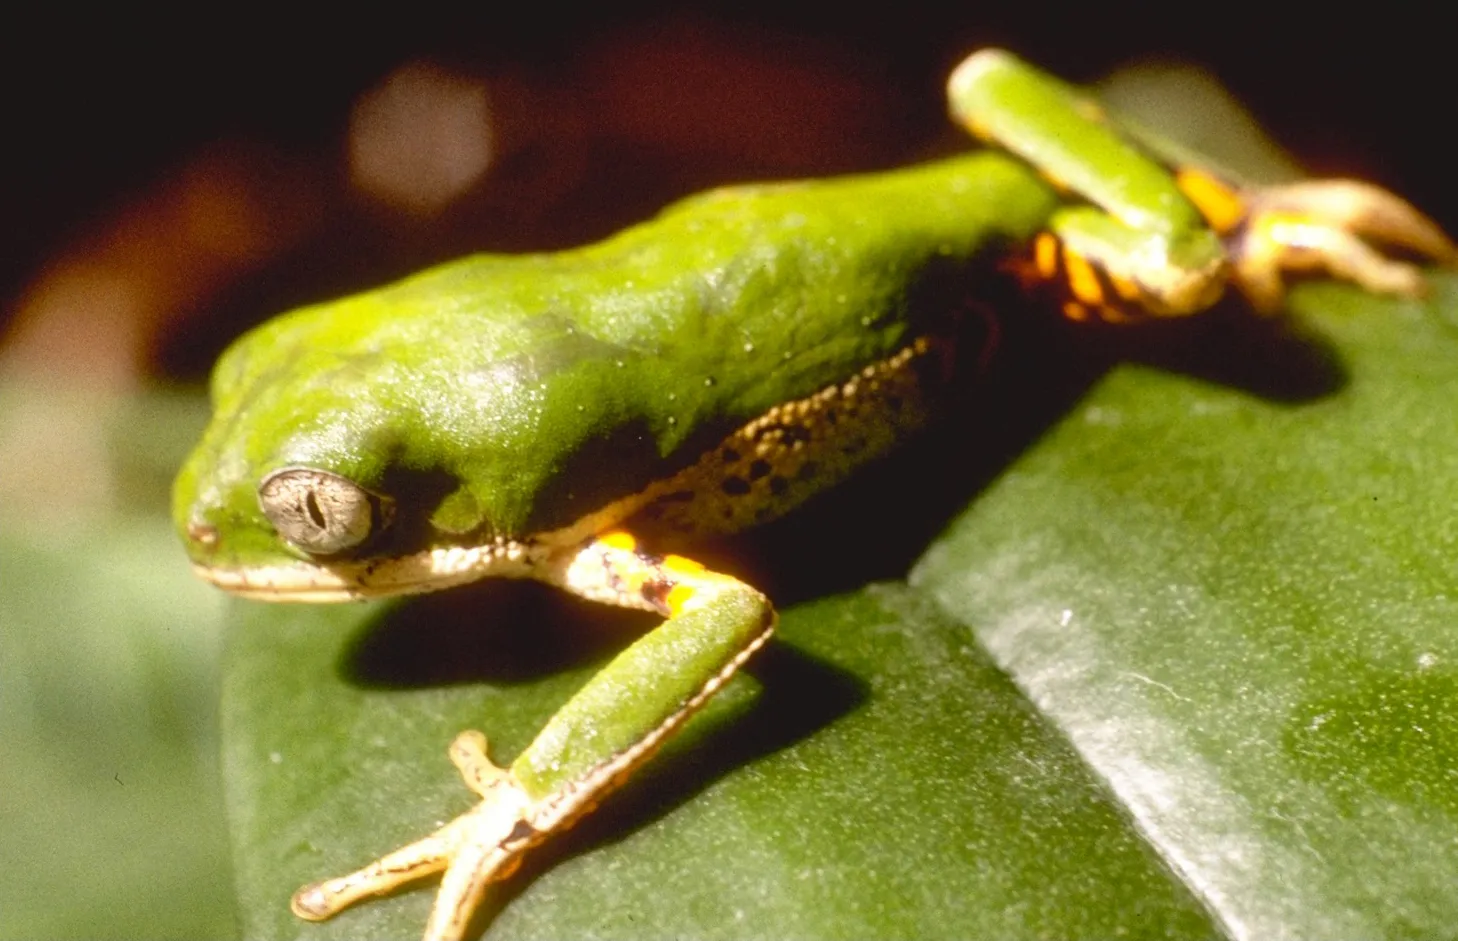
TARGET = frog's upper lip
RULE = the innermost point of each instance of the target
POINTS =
(430, 570)
(301, 582)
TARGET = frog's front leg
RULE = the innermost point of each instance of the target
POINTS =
(713, 624)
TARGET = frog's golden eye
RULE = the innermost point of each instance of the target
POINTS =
(319, 512)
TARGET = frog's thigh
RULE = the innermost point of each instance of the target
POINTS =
(1317, 225)
(713, 623)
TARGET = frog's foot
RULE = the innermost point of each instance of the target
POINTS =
(1326, 226)
(481, 846)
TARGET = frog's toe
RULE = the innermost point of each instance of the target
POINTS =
(481, 846)
(1364, 210)
(468, 754)
(1337, 227)
(321, 900)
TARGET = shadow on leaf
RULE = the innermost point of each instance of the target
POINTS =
(795, 696)
(876, 525)
(497, 631)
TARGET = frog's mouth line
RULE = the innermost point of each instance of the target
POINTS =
(314, 582)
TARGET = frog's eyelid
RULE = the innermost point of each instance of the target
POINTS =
(320, 512)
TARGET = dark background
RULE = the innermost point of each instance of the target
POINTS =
(101, 110)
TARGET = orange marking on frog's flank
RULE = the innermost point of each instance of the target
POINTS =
(1082, 279)
(619, 540)
(1045, 255)
(1075, 311)
(1221, 206)
(1126, 287)
(678, 596)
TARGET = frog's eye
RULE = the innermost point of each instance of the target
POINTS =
(319, 512)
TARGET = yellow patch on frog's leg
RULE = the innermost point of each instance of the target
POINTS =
(1326, 226)
(795, 450)
(613, 569)
(713, 624)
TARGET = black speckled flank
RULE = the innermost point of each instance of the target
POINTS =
(795, 450)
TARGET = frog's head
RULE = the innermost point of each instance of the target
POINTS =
(335, 468)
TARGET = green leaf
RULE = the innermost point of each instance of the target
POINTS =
(827, 799)
(1240, 613)
(111, 824)
(1184, 668)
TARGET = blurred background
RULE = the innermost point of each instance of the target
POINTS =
(168, 182)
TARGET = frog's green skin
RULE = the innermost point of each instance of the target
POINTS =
(500, 399)
(531, 416)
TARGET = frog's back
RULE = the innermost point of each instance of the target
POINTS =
(590, 374)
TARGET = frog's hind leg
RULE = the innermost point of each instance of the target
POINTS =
(1330, 226)
(1129, 245)
(1144, 244)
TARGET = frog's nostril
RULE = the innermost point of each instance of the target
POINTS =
(203, 534)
